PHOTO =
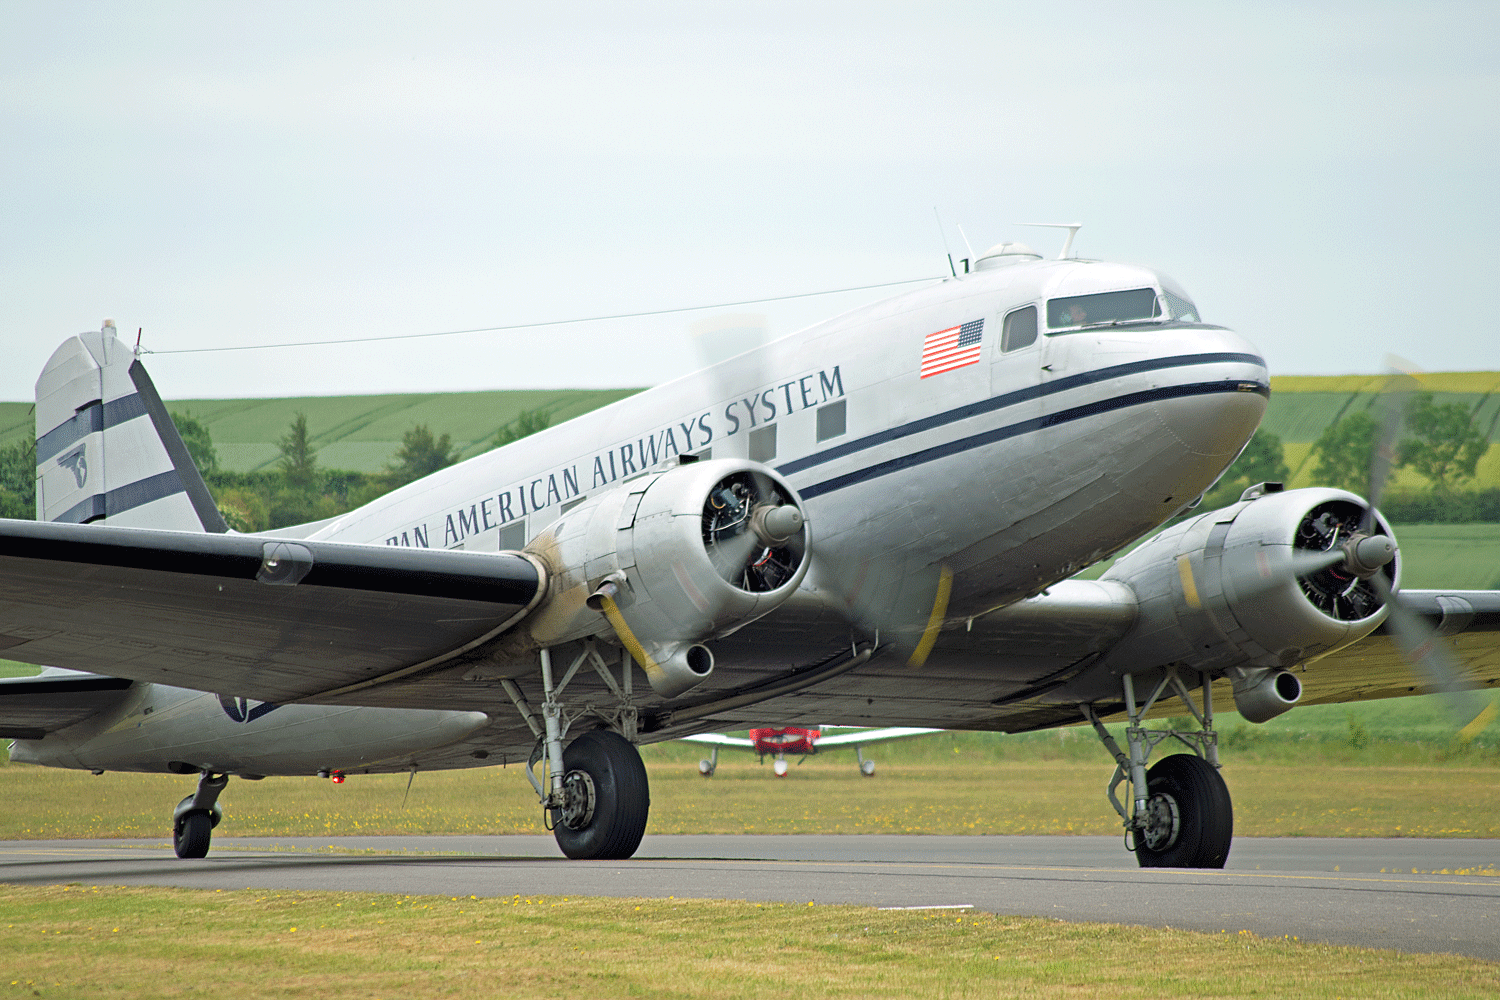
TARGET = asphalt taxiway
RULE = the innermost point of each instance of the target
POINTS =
(1412, 895)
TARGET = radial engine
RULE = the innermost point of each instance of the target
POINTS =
(1257, 588)
(670, 560)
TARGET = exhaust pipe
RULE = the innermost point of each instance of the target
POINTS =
(1261, 695)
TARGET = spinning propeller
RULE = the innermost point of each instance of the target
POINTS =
(752, 531)
(1342, 565)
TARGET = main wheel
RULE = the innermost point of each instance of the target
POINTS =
(191, 835)
(608, 798)
(1190, 819)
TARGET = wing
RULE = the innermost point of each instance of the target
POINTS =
(1469, 620)
(32, 707)
(1018, 669)
(277, 621)
(802, 665)
(868, 736)
(717, 740)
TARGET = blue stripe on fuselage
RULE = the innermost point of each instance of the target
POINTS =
(1011, 399)
(1025, 426)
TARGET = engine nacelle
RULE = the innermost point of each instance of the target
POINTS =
(1222, 592)
(679, 556)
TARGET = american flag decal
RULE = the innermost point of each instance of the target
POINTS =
(952, 348)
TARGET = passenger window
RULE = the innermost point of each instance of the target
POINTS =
(513, 536)
(763, 444)
(831, 421)
(1019, 330)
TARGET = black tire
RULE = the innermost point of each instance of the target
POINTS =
(191, 835)
(1204, 815)
(622, 798)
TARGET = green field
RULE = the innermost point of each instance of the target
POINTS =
(360, 433)
(1393, 762)
(356, 433)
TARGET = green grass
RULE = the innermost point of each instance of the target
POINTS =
(950, 783)
(100, 942)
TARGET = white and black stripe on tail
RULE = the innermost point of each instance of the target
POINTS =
(106, 448)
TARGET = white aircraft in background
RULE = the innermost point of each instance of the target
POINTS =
(875, 519)
(779, 742)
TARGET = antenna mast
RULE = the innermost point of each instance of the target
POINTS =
(1071, 227)
(944, 235)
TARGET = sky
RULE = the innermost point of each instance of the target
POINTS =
(1320, 177)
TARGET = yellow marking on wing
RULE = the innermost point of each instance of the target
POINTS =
(622, 629)
(1479, 724)
(934, 620)
(1189, 588)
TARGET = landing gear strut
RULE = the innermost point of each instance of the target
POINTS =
(1181, 815)
(195, 817)
(597, 798)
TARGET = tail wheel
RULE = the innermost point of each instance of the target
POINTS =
(1190, 819)
(607, 779)
(191, 835)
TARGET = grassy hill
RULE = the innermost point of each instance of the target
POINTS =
(357, 433)
(1303, 406)
(360, 433)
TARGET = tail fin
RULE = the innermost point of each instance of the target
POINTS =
(106, 448)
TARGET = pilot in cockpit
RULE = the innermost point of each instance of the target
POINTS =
(1076, 315)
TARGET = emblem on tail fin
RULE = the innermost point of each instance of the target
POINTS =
(76, 461)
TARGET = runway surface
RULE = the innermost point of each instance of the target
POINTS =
(1412, 895)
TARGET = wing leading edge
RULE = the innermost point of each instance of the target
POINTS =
(273, 620)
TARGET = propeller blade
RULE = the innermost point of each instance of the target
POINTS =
(1368, 555)
(1390, 407)
(898, 596)
(1427, 651)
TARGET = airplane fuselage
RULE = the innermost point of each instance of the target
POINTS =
(1016, 470)
(946, 425)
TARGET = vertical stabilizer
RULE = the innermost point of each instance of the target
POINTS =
(106, 448)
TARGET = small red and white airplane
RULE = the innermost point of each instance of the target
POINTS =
(778, 742)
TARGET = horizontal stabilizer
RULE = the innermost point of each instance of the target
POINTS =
(717, 740)
(32, 707)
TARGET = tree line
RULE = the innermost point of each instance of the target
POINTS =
(1441, 442)
(297, 490)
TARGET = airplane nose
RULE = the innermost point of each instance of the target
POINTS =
(1216, 425)
(1217, 403)
(1206, 392)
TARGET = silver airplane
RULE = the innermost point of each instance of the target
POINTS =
(874, 520)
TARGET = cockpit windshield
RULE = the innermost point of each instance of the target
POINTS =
(1181, 308)
(1103, 307)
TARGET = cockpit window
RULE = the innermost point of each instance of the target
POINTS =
(1181, 308)
(1019, 329)
(1103, 307)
